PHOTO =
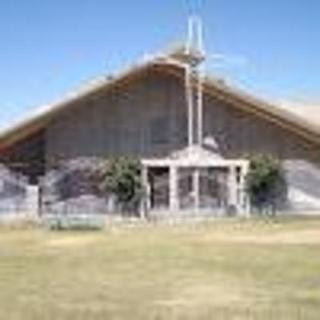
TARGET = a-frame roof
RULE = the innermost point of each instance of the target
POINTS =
(166, 64)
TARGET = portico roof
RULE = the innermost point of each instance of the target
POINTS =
(194, 156)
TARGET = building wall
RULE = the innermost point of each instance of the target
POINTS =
(27, 157)
(238, 134)
(147, 118)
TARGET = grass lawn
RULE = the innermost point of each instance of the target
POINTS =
(220, 270)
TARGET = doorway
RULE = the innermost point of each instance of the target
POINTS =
(203, 189)
(159, 187)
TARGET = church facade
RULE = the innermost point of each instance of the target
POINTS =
(143, 113)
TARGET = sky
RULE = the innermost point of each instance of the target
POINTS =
(270, 48)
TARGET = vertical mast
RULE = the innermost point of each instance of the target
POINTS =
(195, 56)
(189, 83)
(199, 80)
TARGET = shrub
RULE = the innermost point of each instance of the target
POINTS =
(122, 178)
(266, 184)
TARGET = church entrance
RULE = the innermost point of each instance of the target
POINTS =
(184, 187)
(203, 189)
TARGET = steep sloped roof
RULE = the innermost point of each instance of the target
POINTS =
(307, 110)
(280, 116)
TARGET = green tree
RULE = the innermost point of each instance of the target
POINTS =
(266, 184)
(121, 177)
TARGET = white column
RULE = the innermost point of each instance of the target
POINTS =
(32, 201)
(232, 187)
(145, 206)
(196, 189)
(245, 196)
(173, 190)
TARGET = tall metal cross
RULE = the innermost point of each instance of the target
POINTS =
(195, 57)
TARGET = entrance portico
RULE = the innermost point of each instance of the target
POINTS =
(195, 181)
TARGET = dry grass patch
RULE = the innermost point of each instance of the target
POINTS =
(221, 270)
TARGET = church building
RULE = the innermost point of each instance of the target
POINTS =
(193, 133)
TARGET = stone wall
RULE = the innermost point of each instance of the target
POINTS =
(18, 199)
